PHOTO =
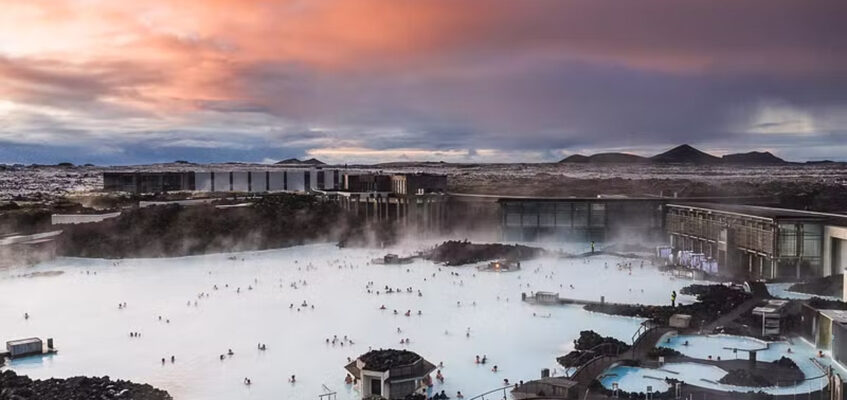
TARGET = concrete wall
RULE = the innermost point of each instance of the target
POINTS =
(239, 181)
(368, 378)
(276, 181)
(313, 180)
(834, 249)
(62, 219)
(258, 181)
(329, 179)
(296, 179)
(839, 343)
(203, 181)
(222, 182)
(25, 347)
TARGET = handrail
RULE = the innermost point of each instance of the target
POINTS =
(589, 364)
(482, 396)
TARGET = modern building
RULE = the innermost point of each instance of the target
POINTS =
(591, 218)
(239, 181)
(24, 347)
(418, 183)
(826, 329)
(417, 200)
(390, 374)
(367, 182)
(771, 315)
(148, 182)
(18, 250)
(71, 219)
(760, 242)
(547, 388)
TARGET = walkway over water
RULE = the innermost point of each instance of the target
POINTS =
(643, 341)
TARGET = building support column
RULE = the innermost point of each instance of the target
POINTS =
(774, 266)
(761, 266)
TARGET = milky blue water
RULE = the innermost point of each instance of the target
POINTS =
(79, 309)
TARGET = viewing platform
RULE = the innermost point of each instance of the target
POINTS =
(551, 298)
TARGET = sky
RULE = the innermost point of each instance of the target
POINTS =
(128, 82)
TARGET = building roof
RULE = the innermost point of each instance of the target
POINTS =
(764, 212)
(383, 360)
(609, 197)
(29, 239)
(23, 341)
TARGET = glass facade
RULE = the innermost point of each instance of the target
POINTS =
(598, 215)
(572, 220)
(800, 249)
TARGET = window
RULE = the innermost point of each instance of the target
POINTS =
(563, 214)
(598, 214)
(376, 386)
(580, 215)
(787, 240)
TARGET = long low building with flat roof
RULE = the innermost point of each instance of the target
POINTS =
(243, 181)
(760, 242)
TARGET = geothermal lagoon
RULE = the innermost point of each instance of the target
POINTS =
(259, 299)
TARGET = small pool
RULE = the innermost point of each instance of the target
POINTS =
(636, 379)
(781, 291)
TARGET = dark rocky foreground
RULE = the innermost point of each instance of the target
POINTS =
(17, 387)
(827, 286)
(712, 302)
(171, 231)
(455, 252)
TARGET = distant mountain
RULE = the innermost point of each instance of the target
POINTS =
(313, 161)
(685, 154)
(753, 157)
(605, 158)
(294, 161)
(576, 158)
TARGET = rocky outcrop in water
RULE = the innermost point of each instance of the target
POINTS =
(19, 387)
(832, 285)
(589, 345)
(712, 302)
(741, 377)
(455, 252)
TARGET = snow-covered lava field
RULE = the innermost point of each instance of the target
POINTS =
(259, 299)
